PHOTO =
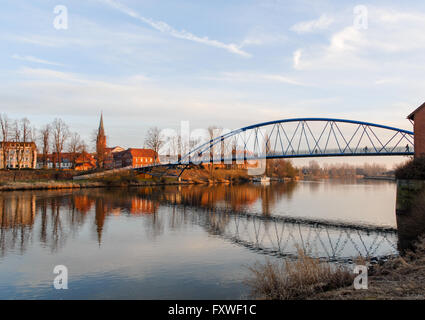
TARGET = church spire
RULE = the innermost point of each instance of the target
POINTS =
(101, 131)
(100, 143)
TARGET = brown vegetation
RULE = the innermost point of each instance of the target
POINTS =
(216, 175)
(299, 279)
(398, 278)
(280, 168)
(31, 175)
(413, 169)
(343, 170)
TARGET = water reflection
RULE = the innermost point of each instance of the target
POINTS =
(56, 217)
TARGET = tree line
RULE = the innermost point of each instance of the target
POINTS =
(343, 170)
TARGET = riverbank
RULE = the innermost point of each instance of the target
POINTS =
(54, 185)
(400, 277)
(13, 180)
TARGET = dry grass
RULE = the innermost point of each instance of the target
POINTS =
(299, 279)
(402, 277)
(203, 175)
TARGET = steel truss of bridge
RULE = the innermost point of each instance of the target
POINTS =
(295, 138)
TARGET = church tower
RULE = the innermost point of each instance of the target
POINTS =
(100, 144)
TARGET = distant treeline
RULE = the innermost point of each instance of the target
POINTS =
(344, 170)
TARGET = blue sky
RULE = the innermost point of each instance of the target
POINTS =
(227, 63)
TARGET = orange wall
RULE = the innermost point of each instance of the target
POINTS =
(419, 128)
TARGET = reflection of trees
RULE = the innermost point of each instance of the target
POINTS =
(16, 221)
(231, 197)
(53, 217)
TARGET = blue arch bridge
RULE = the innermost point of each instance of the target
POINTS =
(286, 139)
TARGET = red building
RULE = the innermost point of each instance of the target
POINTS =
(418, 116)
(85, 161)
(135, 158)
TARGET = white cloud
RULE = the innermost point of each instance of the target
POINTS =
(256, 77)
(258, 37)
(35, 60)
(182, 34)
(322, 23)
(297, 58)
(391, 33)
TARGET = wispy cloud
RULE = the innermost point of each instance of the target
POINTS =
(35, 60)
(180, 34)
(257, 77)
(322, 23)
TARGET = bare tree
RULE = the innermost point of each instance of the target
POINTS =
(22, 133)
(214, 132)
(83, 146)
(74, 147)
(60, 135)
(154, 140)
(44, 138)
(5, 136)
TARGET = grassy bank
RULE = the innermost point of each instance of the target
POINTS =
(52, 185)
(307, 278)
(11, 180)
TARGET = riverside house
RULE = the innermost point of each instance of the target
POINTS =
(18, 155)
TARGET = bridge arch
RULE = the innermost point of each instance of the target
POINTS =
(302, 138)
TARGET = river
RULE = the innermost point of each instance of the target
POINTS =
(184, 242)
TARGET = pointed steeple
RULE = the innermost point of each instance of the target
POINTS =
(100, 143)
(101, 131)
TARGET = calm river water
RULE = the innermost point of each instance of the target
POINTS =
(183, 242)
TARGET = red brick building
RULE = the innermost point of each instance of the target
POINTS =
(418, 117)
(135, 158)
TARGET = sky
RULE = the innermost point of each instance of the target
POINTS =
(226, 63)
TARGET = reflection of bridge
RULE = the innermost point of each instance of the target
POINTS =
(297, 138)
(277, 235)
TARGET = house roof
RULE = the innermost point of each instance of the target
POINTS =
(114, 149)
(28, 143)
(66, 156)
(141, 152)
(84, 157)
(412, 115)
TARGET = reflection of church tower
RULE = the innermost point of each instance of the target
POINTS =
(100, 218)
(100, 143)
